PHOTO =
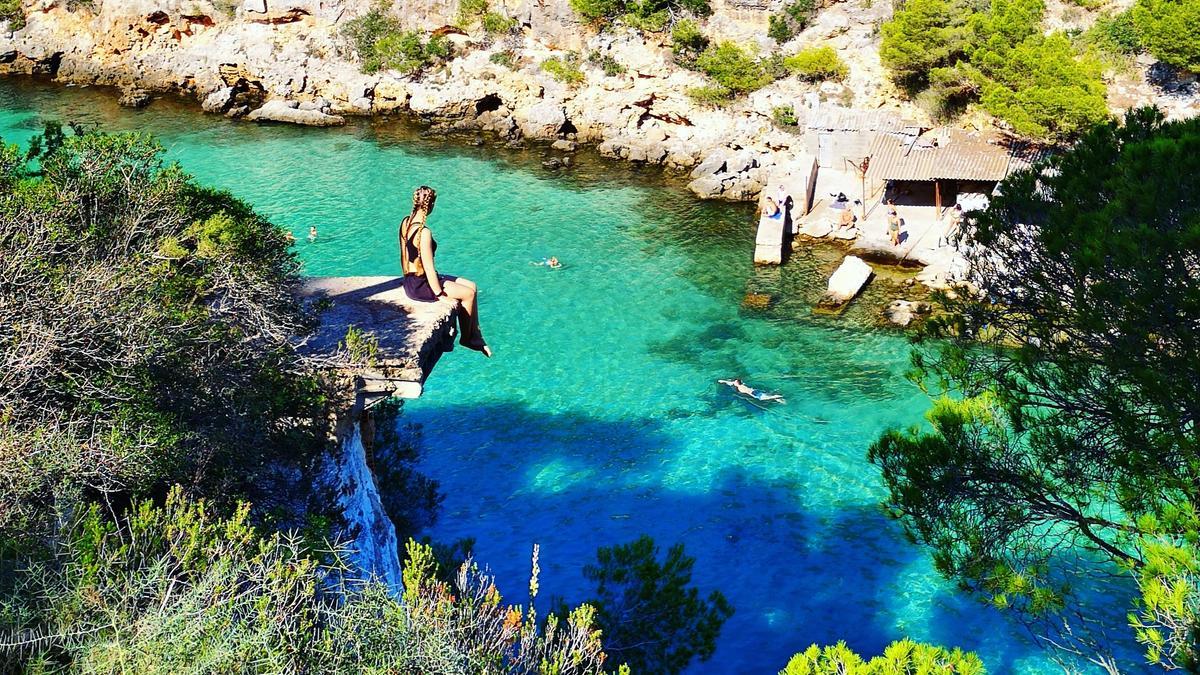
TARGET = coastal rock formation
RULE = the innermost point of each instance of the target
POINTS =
(846, 282)
(903, 312)
(292, 112)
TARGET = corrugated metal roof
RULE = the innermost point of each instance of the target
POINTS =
(940, 154)
(836, 118)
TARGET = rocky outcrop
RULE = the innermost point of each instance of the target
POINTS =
(286, 61)
(904, 312)
(846, 282)
(293, 112)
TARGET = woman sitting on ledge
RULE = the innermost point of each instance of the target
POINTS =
(421, 280)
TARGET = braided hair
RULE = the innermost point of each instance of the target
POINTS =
(423, 200)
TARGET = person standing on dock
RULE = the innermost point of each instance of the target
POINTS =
(421, 280)
(893, 223)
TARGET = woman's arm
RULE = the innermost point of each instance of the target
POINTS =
(427, 262)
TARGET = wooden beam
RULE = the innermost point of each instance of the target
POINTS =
(937, 198)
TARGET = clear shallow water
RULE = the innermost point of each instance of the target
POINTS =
(599, 419)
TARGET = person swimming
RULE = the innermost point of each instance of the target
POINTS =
(551, 262)
(312, 233)
(744, 389)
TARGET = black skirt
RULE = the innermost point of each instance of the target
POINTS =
(417, 288)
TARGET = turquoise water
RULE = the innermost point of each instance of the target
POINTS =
(599, 420)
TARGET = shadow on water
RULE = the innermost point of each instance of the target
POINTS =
(819, 572)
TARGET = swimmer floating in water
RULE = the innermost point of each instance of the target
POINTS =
(550, 262)
(312, 232)
(746, 390)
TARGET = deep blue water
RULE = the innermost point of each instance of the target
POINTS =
(599, 419)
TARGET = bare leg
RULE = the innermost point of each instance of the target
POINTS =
(466, 293)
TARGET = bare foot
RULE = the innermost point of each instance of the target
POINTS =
(480, 346)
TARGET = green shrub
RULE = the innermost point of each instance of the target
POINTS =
(734, 68)
(565, 69)
(608, 64)
(469, 11)
(784, 116)
(496, 24)
(10, 11)
(598, 10)
(406, 53)
(506, 58)
(687, 41)
(1117, 33)
(817, 63)
(711, 95)
(1170, 30)
(184, 588)
(382, 44)
(193, 388)
(779, 28)
(646, 15)
(651, 22)
(795, 17)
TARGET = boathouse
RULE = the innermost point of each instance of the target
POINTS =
(938, 168)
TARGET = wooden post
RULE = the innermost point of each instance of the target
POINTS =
(937, 198)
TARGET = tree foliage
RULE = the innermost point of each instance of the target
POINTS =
(652, 619)
(899, 658)
(817, 63)
(1070, 445)
(734, 69)
(1168, 28)
(178, 588)
(997, 55)
(145, 326)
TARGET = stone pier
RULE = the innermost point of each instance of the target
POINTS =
(403, 339)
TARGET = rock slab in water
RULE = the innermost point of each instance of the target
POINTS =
(132, 97)
(903, 312)
(846, 282)
(289, 112)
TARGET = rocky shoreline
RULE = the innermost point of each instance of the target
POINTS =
(286, 62)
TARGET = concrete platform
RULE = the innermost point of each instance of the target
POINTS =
(409, 336)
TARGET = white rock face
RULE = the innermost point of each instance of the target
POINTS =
(376, 550)
(289, 111)
(847, 281)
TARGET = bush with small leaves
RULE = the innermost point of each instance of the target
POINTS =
(713, 96)
(183, 588)
(734, 68)
(607, 63)
(904, 656)
(817, 63)
(784, 116)
(506, 58)
(687, 41)
(779, 28)
(10, 11)
(565, 69)
(494, 23)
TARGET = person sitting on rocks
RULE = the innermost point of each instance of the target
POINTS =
(846, 219)
(772, 209)
(424, 284)
(746, 390)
